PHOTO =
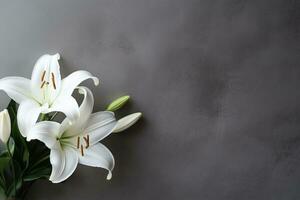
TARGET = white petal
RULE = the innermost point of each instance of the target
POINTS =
(5, 126)
(71, 162)
(73, 80)
(98, 156)
(127, 122)
(57, 160)
(28, 113)
(17, 88)
(85, 110)
(65, 125)
(46, 132)
(100, 125)
(46, 70)
(66, 105)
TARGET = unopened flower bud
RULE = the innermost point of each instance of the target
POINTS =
(118, 103)
(127, 122)
(5, 126)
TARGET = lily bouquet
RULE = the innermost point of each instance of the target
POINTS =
(36, 143)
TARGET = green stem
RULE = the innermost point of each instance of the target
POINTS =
(53, 116)
(12, 167)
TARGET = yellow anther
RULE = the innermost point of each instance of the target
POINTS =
(81, 148)
(43, 84)
(78, 142)
(87, 141)
(43, 76)
(53, 80)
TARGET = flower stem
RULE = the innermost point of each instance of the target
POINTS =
(53, 116)
(12, 167)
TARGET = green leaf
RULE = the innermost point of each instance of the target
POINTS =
(26, 157)
(3, 148)
(2, 181)
(2, 193)
(12, 110)
(15, 186)
(43, 162)
(118, 103)
(11, 146)
(38, 174)
(4, 162)
(21, 154)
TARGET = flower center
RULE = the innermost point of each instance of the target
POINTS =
(83, 145)
(48, 83)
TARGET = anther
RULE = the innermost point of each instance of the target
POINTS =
(43, 76)
(43, 84)
(87, 141)
(78, 142)
(53, 80)
(81, 148)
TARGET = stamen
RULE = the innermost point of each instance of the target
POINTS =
(53, 80)
(78, 142)
(81, 148)
(43, 84)
(43, 76)
(87, 141)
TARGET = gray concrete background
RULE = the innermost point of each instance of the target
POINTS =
(217, 81)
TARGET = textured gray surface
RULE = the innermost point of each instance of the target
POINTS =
(217, 81)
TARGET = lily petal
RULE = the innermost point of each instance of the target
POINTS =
(65, 125)
(27, 115)
(46, 132)
(98, 156)
(71, 162)
(100, 125)
(46, 78)
(66, 105)
(85, 110)
(73, 80)
(17, 88)
(57, 160)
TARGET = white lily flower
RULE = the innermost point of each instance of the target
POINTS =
(5, 126)
(45, 92)
(79, 142)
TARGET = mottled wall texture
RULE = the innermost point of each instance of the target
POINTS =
(218, 82)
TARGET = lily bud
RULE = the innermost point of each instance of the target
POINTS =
(127, 122)
(118, 103)
(5, 126)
